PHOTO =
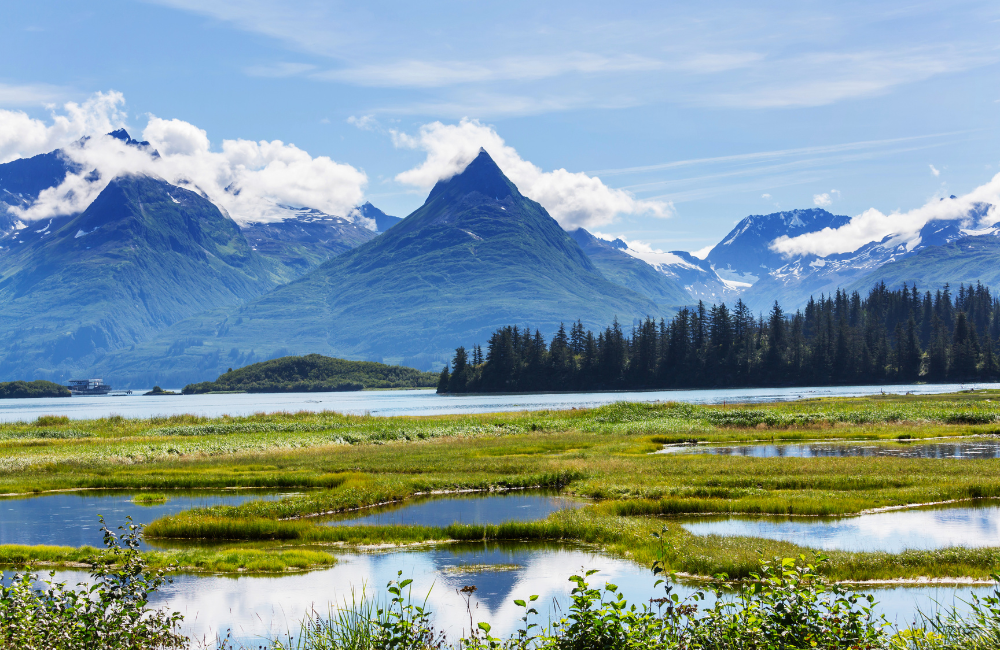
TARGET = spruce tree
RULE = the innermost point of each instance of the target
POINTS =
(443, 381)
(459, 381)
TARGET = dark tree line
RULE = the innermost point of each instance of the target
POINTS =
(890, 336)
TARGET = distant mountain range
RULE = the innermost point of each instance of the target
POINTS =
(745, 254)
(154, 284)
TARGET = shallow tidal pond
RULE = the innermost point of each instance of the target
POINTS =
(526, 505)
(894, 531)
(70, 518)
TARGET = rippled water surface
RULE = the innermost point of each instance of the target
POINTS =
(70, 518)
(967, 448)
(463, 509)
(415, 402)
(895, 531)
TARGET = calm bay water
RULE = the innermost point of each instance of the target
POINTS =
(416, 402)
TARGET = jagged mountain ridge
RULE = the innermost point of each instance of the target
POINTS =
(744, 253)
(306, 239)
(965, 260)
(615, 264)
(792, 283)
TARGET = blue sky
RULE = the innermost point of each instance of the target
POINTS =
(715, 111)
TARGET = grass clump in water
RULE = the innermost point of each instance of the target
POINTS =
(149, 498)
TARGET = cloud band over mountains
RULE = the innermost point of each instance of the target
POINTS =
(250, 180)
(253, 180)
(902, 227)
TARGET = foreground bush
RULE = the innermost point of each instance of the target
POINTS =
(111, 614)
(787, 605)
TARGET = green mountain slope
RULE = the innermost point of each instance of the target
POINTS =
(621, 268)
(314, 373)
(475, 256)
(142, 256)
(964, 261)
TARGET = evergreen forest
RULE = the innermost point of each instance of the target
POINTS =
(890, 336)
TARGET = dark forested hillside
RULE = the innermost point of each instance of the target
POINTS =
(889, 336)
(39, 388)
(313, 373)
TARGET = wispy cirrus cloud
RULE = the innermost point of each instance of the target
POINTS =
(280, 69)
(756, 156)
(29, 94)
(433, 74)
(726, 54)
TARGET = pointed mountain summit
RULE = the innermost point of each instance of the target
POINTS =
(477, 255)
(482, 176)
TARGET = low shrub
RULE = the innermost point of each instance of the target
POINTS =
(112, 613)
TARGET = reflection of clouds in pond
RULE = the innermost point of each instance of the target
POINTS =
(886, 531)
(257, 607)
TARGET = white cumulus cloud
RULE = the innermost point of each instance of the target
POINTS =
(826, 198)
(935, 170)
(574, 199)
(22, 136)
(251, 180)
(902, 227)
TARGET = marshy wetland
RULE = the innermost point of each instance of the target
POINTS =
(606, 493)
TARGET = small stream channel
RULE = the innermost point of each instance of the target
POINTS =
(975, 448)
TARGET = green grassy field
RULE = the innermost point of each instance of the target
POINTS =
(603, 454)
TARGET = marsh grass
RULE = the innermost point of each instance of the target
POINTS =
(354, 462)
(226, 559)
